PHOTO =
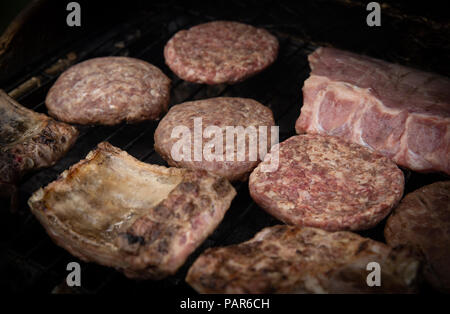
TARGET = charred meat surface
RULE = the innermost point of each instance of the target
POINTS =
(139, 218)
(401, 112)
(422, 220)
(288, 259)
(28, 141)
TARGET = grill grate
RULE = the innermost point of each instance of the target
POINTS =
(34, 263)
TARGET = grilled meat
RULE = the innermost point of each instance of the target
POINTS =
(140, 218)
(28, 141)
(288, 259)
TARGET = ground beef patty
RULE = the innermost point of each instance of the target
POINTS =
(288, 259)
(220, 52)
(325, 182)
(423, 220)
(220, 112)
(109, 90)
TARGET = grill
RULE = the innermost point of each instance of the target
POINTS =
(32, 262)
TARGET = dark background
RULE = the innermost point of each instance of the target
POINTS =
(8, 10)
(412, 33)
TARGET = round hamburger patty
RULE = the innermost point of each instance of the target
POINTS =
(325, 182)
(109, 90)
(423, 220)
(220, 52)
(219, 112)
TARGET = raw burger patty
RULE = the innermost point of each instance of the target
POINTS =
(288, 259)
(220, 52)
(325, 182)
(109, 90)
(423, 220)
(220, 112)
(139, 218)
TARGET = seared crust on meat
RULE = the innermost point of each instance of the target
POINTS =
(140, 218)
(109, 90)
(288, 259)
(221, 112)
(423, 220)
(29, 141)
(220, 52)
(325, 182)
